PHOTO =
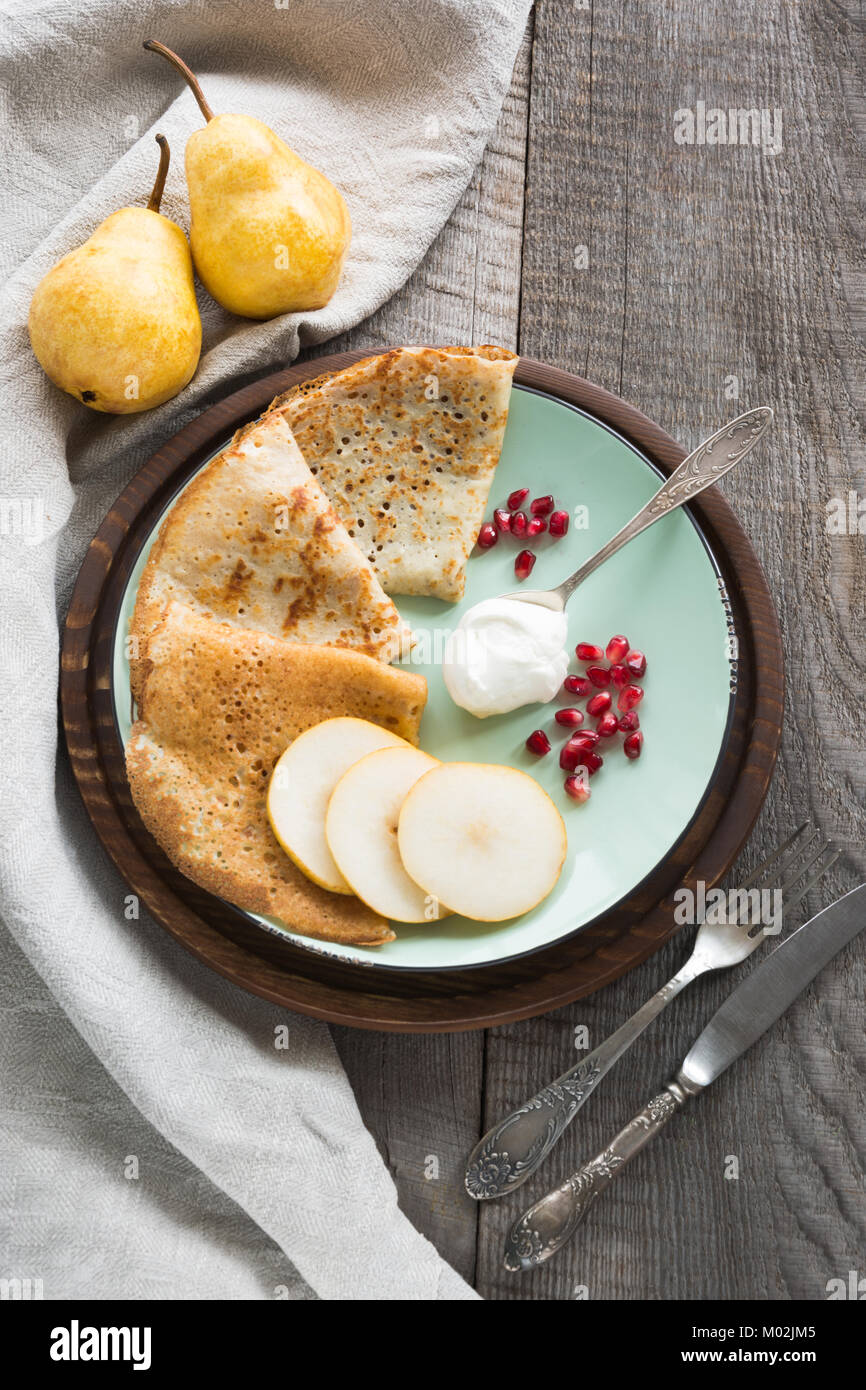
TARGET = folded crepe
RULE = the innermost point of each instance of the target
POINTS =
(405, 446)
(254, 542)
(218, 707)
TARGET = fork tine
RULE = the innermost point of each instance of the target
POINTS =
(777, 854)
(789, 902)
(789, 873)
(786, 873)
(788, 883)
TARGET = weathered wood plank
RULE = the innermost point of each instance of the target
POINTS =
(708, 263)
(421, 1096)
(467, 288)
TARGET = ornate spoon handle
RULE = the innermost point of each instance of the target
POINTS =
(705, 466)
(512, 1150)
(546, 1226)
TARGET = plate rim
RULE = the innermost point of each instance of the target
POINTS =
(112, 555)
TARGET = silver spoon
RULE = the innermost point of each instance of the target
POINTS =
(705, 466)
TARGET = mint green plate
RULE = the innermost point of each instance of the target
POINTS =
(662, 591)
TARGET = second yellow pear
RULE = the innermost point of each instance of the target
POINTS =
(268, 232)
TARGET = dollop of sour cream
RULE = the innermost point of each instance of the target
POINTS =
(505, 653)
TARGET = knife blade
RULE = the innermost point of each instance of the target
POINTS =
(769, 989)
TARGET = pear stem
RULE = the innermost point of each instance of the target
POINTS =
(164, 158)
(154, 46)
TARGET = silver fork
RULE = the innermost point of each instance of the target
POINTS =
(513, 1149)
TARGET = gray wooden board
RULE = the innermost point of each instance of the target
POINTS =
(706, 263)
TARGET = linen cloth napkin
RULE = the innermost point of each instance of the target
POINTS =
(155, 1141)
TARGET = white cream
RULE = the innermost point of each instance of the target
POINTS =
(505, 653)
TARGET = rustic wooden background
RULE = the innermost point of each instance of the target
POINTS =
(705, 263)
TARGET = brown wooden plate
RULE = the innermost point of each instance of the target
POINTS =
(415, 1001)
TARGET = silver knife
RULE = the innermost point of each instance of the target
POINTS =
(749, 1011)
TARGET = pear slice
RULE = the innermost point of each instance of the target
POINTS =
(485, 839)
(301, 785)
(361, 829)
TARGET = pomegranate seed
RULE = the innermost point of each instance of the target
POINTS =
(616, 648)
(518, 524)
(607, 725)
(577, 685)
(542, 506)
(571, 718)
(538, 742)
(599, 675)
(502, 519)
(619, 675)
(588, 758)
(517, 498)
(577, 745)
(629, 697)
(558, 523)
(569, 756)
(629, 722)
(636, 663)
(487, 536)
(523, 565)
(599, 704)
(584, 738)
(633, 744)
(577, 789)
(585, 651)
(536, 525)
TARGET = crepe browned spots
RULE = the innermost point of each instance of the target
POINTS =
(254, 542)
(405, 445)
(218, 707)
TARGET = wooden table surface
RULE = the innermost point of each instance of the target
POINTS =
(718, 278)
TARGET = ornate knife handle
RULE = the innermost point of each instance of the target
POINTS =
(708, 463)
(512, 1150)
(546, 1226)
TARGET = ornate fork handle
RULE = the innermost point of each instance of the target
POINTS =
(708, 463)
(514, 1148)
(546, 1226)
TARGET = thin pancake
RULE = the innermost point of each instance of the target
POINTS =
(219, 705)
(254, 542)
(405, 446)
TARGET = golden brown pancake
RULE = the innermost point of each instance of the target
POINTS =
(405, 445)
(253, 541)
(219, 705)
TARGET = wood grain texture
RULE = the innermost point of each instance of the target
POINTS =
(708, 263)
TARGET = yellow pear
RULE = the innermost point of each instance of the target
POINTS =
(269, 233)
(116, 323)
